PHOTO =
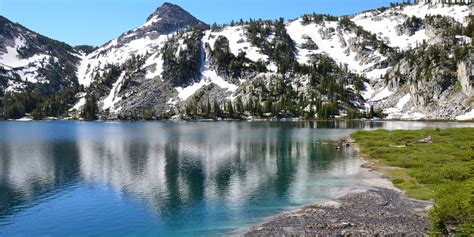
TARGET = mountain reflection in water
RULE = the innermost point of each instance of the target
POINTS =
(148, 178)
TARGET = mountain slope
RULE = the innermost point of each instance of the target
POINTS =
(97, 69)
(404, 26)
(31, 60)
(193, 68)
(406, 61)
(434, 41)
(146, 39)
(37, 74)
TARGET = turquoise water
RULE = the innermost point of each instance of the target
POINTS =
(170, 178)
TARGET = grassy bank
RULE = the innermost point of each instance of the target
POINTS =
(429, 164)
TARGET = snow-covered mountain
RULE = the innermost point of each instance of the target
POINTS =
(407, 61)
(391, 24)
(147, 39)
(418, 29)
(29, 60)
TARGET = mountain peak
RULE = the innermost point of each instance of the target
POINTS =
(166, 19)
(171, 12)
(170, 17)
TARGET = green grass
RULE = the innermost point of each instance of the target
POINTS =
(442, 171)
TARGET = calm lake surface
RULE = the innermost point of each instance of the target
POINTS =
(171, 178)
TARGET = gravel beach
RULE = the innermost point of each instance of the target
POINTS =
(376, 212)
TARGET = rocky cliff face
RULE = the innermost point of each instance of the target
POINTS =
(465, 76)
(408, 61)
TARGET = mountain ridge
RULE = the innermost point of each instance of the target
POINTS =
(139, 73)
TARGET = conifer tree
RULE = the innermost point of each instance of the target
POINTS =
(216, 109)
(230, 109)
(90, 108)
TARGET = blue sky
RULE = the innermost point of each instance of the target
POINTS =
(95, 22)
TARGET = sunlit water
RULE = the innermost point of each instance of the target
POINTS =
(170, 178)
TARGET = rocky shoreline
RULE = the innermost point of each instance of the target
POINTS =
(376, 212)
(382, 210)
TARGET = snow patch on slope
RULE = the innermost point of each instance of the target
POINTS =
(402, 102)
(384, 23)
(113, 97)
(238, 42)
(383, 94)
(80, 104)
(385, 27)
(369, 91)
(26, 68)
(12, 59)
(376, 73)
(331, 46)
(398, 111)
(186, 92)
(409, 115)
(458, 12)
(208, 76)
(154, 66)
(466, 116)
(110, 54)
(14, 86)
(30, 74)
(212, 76)
(152, 21)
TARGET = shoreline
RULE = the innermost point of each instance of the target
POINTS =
(248, 119)
(382, 209)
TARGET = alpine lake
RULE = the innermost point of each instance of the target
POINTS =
(63, 178)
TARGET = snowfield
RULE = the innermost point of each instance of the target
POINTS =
(332, 46)
(113, 98)
(467, 116)
(13, 60)
(26, 68)
(97, 61)
(154, 66)
(209, 76)
(383, 23)
(458, 12)
(383, 94)
(238, 42)
(403, 101)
